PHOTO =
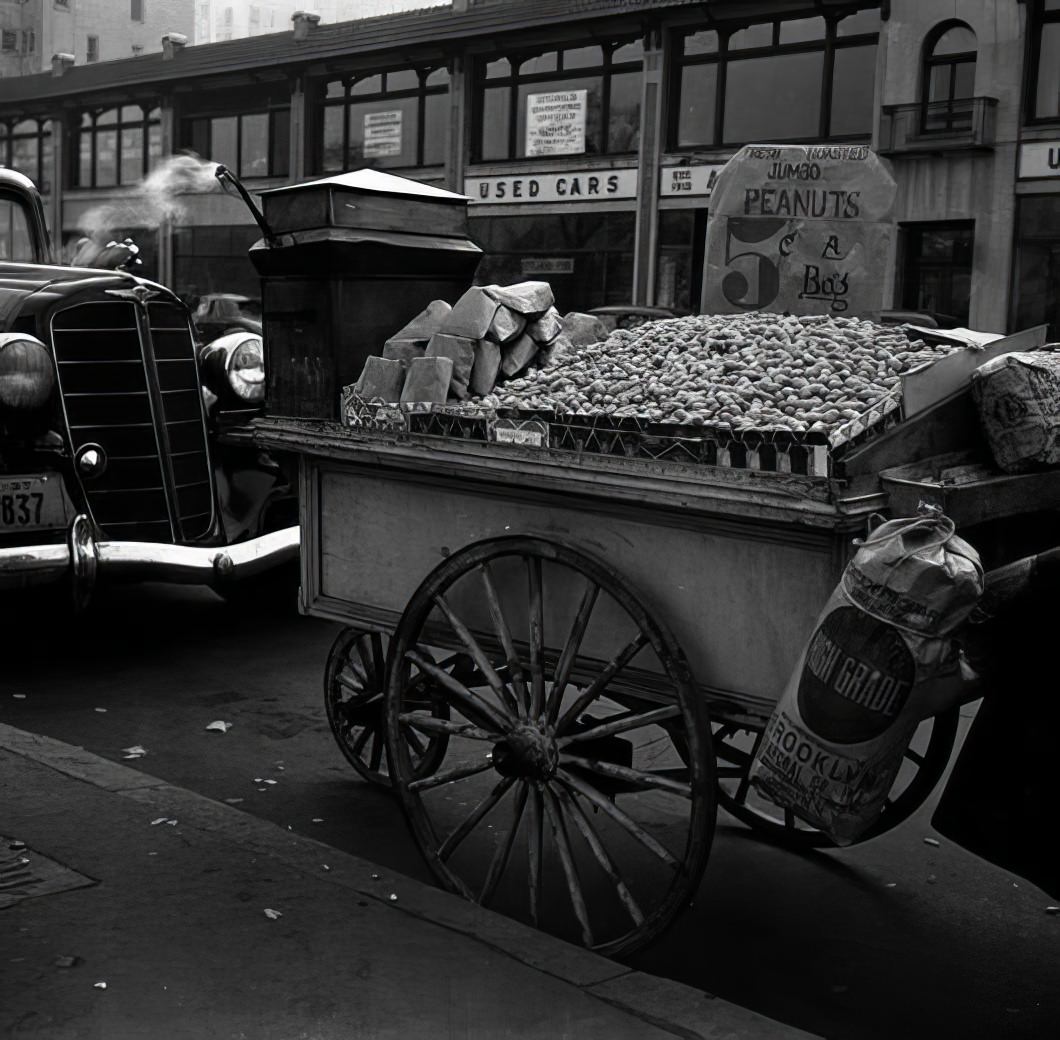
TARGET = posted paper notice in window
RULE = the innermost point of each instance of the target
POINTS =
(382, 134)
(555, 123)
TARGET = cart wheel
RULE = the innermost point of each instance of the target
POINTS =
(924, 762)
(562, 798)
(353, 696)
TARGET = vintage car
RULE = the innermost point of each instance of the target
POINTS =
(120, 449)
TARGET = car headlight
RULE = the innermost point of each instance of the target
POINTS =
(27, 374)
(246, 370)
(235, 359)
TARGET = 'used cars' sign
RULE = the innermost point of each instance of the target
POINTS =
(573, 186)
(804, 229)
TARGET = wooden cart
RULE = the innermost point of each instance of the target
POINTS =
(562, 660)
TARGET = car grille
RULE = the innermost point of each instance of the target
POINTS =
(139, 400)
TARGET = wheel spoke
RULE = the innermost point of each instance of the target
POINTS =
(504, 634)
(537, 637)
(535, 848)
(570, 650)
(445, 727)
(474, 704)
(566, 858)
(416, 742)
(377, 749)
(482, 662)
(503, 852)
(592, 839)
(347, 683)
(378, 661)
(599, 684)
(914, 756)
(730, 772)
(362, 738)
(450, 776)
(615, 813)
(637, 777)
(621, 724)
(745, 781)
(472, 820)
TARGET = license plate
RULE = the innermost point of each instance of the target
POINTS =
(31, 503)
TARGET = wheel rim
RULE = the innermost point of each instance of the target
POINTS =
(354, 688)
(923, 763)
(563, 799)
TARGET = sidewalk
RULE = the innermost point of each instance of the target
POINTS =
(171, 916)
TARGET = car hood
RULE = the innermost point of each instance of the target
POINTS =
(39, 286)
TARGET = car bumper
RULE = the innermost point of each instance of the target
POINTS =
(83, 560)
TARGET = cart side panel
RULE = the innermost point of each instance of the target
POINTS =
(740, 596)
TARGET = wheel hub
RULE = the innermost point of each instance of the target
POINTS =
(527, 751)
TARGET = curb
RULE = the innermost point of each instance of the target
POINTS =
(681, 1010)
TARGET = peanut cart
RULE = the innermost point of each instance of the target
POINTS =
(562, 638)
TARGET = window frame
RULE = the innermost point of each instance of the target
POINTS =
(420, 93)
(1040, 17)
(91, 49)
(42, 135)
(828, 46)
(271, 111)
(136, 11)
(956, 121)
(516, 58)
(121, 123)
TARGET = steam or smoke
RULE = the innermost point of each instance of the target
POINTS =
(155, 199)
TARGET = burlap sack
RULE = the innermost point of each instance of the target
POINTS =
(878, 663)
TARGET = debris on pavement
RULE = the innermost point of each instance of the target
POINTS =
(233, 801)
(931, 841)
(318, 819)
(19, 696)
(164, 819)
(66, 962)
(1052, 910)
(100, 710)
(272, 915)
(136, 751)
(218, 726)
(99, 985)
(393, 897)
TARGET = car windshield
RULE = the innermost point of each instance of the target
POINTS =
(15, 241)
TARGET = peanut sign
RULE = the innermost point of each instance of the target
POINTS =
(806, 229)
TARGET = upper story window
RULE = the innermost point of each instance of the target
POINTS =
(136, 10)
(92, 49)
(800, 79)
(949, 77)
(118, 146)
(247, 130)
(1045, 61)
(26, 146)
(575, 101)
(385, 119)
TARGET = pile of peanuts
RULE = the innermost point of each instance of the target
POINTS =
(756, 371)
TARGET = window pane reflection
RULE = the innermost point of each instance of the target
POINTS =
(853, 81)
(773, 98)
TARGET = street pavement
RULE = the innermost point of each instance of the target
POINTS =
(134, 909)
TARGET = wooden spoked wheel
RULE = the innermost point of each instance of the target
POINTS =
(354, 687)
(923, 764)
(577, 791)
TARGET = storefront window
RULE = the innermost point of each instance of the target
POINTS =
(800, 79)
(26, 146)
(388, 119)
(1045, 91)
(937, 270)
(117, 146)
(576, 101)
(1037, 295)
(251, 144)
(679, 270)
(586, 257)
(210, 260)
